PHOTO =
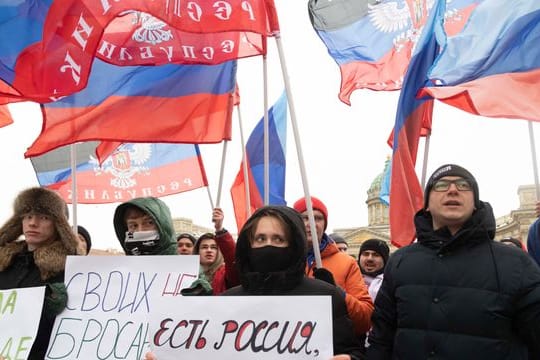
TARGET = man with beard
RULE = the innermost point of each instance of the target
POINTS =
(372, 259)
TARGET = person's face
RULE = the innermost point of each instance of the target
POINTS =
(184, 246)
(81, 245)
(342, 247)
(371, 261)
(319, 225)
(38, 229)
(269, 232)
(208, 251)
(138, 220)
(451, 207)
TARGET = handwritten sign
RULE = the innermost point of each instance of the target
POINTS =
(110, 301)
(20, 312)
(242, 327)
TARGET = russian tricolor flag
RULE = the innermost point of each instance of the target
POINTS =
(277, 138)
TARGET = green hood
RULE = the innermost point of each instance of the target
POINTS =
(161, 214)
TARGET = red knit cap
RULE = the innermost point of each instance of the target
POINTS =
(300, 206)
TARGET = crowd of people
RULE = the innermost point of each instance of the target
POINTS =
(454, 293)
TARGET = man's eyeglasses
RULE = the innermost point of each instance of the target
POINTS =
(444, 185)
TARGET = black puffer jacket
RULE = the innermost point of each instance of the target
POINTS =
(458, 297)
(293, 281)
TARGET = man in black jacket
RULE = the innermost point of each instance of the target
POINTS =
(456, 293)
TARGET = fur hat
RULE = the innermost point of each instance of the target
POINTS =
(50, 258)
(452, 170)
(379, 246)
(301, 206)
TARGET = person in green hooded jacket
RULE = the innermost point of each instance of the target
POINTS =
(144, 226)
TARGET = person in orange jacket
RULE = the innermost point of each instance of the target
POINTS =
(338, 268)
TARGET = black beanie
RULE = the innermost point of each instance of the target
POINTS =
(452, 170)
(379, 246)
(86, 235)
(186, 236)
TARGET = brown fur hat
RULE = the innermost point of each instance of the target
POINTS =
(50, 258)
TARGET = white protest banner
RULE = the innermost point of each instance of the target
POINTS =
(242, 327)
(20, 312)
(110, 299)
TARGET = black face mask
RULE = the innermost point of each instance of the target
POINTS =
(270, 259)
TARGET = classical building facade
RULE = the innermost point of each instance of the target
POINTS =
(515, 224)
(185, 225)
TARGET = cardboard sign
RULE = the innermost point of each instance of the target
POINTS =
(242, 327)
(110, 301)
(20, 312)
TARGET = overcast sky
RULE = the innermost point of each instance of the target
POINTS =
(344, 147)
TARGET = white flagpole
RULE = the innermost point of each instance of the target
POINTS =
(425, 162)
(266, 141)
(535, 164)
(244, 162)
(73, 155)
(316, 250)
(221, 172)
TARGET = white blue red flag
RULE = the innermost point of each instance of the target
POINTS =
(406, 196)
(277, 139)
(372, 41)
(132, 170)
(493, 71)
(168, 103)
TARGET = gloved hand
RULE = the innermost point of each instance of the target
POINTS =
(198, 287)
(324, 275)
(55, 298)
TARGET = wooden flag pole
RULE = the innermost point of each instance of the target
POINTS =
(309, 205)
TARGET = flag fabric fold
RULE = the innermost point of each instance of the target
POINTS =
(5, 116)
(167, 103)
(372, 41)
(132, 170)
(47, 48)
(277, 138)
(493, 73)
(406, 196)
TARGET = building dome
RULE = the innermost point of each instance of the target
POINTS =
(376, 184)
